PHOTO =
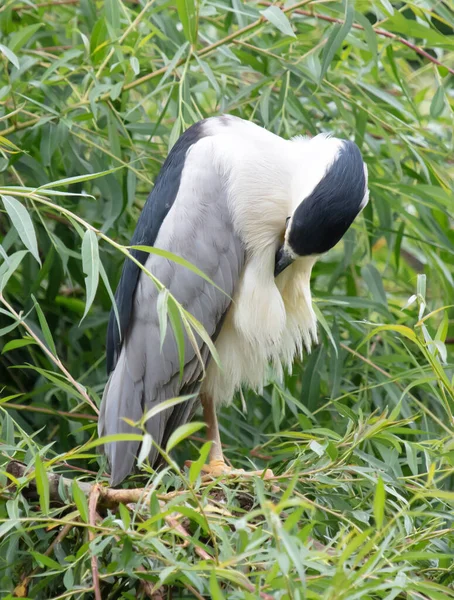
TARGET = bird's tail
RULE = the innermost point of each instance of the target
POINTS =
(122, 398)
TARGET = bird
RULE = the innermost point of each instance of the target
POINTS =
(253, 211)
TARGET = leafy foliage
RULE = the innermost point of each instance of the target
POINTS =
(360, 435)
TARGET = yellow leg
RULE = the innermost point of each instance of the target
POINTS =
(213, 435)
(216, 466)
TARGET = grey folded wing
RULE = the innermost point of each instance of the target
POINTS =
(199, 228)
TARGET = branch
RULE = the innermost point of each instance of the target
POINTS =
(49, 411)
(92, 504)
(377, 30)
(104, 496)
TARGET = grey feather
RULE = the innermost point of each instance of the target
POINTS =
(199, 228)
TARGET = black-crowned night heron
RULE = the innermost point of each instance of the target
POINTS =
(253, 212)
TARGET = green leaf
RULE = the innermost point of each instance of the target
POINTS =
(279, 19)
(14, 344)
(162, 305)
(90, 264)
(170, 403)
(9, 267)
(370, 35)
(336, 37)
(374, 283)
(182, 433)
(44, 327)
(113, 302)
(178, 331)
(379, 503)
(23, 224)
(196, 465)
(42, 485)
(77, 179)
(125, 516)
(187, 12)
(80, 501)
(46, 561)
(21, 37)
(177, 259)
(10, 56)
(215, 590)
(438, 103)
(145, 448)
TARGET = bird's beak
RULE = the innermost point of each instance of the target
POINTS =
(282, 261)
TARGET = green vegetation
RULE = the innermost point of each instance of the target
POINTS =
(360, 436)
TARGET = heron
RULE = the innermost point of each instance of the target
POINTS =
(253, 211)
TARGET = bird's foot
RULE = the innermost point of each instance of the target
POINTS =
(218, 468)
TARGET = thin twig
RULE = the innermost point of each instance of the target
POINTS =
(49, 411)
(377, 30)
(57, 362)
(92, 504)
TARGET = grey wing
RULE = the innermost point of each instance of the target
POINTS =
(199, 228)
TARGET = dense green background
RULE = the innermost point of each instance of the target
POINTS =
(360, 437)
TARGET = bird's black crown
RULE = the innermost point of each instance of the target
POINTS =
(324, 216)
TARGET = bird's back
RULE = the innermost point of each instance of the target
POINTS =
(196, 225)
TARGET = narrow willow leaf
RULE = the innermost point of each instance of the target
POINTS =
(106, 282)
(421, 284)
(215, 590)
(182, 433)
(145, 448)
(77, 179)
(178, 331)
(11, 148)
(164, 406)
(200, 329)
(438, 102)
(371, 36)
(8, 328)
(379, 503)
(45, 327)
(196, 465)
(374, 283)
(279, 19)
(46, 561)
(125, 516)
(80, 501)
(14, 344)
(387, 6)
(134, 62)
(42, 485)
(10, 56)
(21, 37)
(8, 268)
(162, 304)
(335, 39)
(90, 264)
(187, 13)
(177, 259)
(23, 224)
(172, 64)
(175, 133)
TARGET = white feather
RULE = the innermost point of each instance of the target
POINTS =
(270, 320)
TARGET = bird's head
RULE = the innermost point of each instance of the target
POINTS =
(336, 176)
